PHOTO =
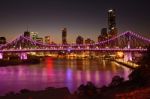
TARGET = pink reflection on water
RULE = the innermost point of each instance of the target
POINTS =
(88, 76)
(79, 77)
(58, 73)
(97, 76)
(1, 55)
(49, 65)
(69, 75)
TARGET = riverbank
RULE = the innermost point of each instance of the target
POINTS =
(16, 61)
(120, 90)
(48, 93)
(127, 64)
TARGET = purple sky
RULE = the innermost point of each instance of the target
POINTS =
(80, 17)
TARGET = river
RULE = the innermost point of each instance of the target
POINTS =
(59, 73)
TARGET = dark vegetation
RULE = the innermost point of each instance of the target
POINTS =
(139, 78)
(48, 93)
(15, 60)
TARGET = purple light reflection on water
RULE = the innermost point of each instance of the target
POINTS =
(1, 55)
(59, 73)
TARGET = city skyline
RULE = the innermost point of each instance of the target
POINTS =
(84, 18)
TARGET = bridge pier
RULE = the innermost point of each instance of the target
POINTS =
(128, 56)
(1, 55)
(23, 56)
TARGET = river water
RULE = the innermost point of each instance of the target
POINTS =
(59, 73)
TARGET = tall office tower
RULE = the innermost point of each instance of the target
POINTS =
(103, 36)
(2, 40)
(27, 34)
(79, 40)
(64, 36)
(112, 22)
(47, 39)
(104, 33)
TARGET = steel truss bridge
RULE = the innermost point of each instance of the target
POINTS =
(125, 42)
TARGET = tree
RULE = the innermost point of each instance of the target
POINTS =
(116, 80)
(145, 61)
(141, 75)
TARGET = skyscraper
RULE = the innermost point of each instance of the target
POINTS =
(111, 19)
(27, 34)
(112, 22)
(104, 35)
(64, 36)
(2, 40)
(79, 40)
(47, 39)
(104, 32)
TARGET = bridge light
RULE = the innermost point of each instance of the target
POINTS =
(119, 54)
(88, 47)
(33, 53)
(1, 56)
(68, 49)
(112, 28)
(110, 10)
(23, 56)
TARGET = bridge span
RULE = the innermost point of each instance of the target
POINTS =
(127, 42)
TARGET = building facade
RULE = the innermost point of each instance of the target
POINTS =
(27, 34)
(39, 39)
(34, 35)
(89, 41)
(103, 36)
(112, 23)
(79, 40)
(2, 40)
(64, 36)
(47, 40)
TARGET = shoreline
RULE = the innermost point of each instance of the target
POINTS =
(31, 60)
(16, 61)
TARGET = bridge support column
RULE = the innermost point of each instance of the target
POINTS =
(23, 56)
(128, 56)
(1, 55)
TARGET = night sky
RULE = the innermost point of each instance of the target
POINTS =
(80, 17)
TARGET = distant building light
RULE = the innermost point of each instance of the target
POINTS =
(112, 28)
(110, 10)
